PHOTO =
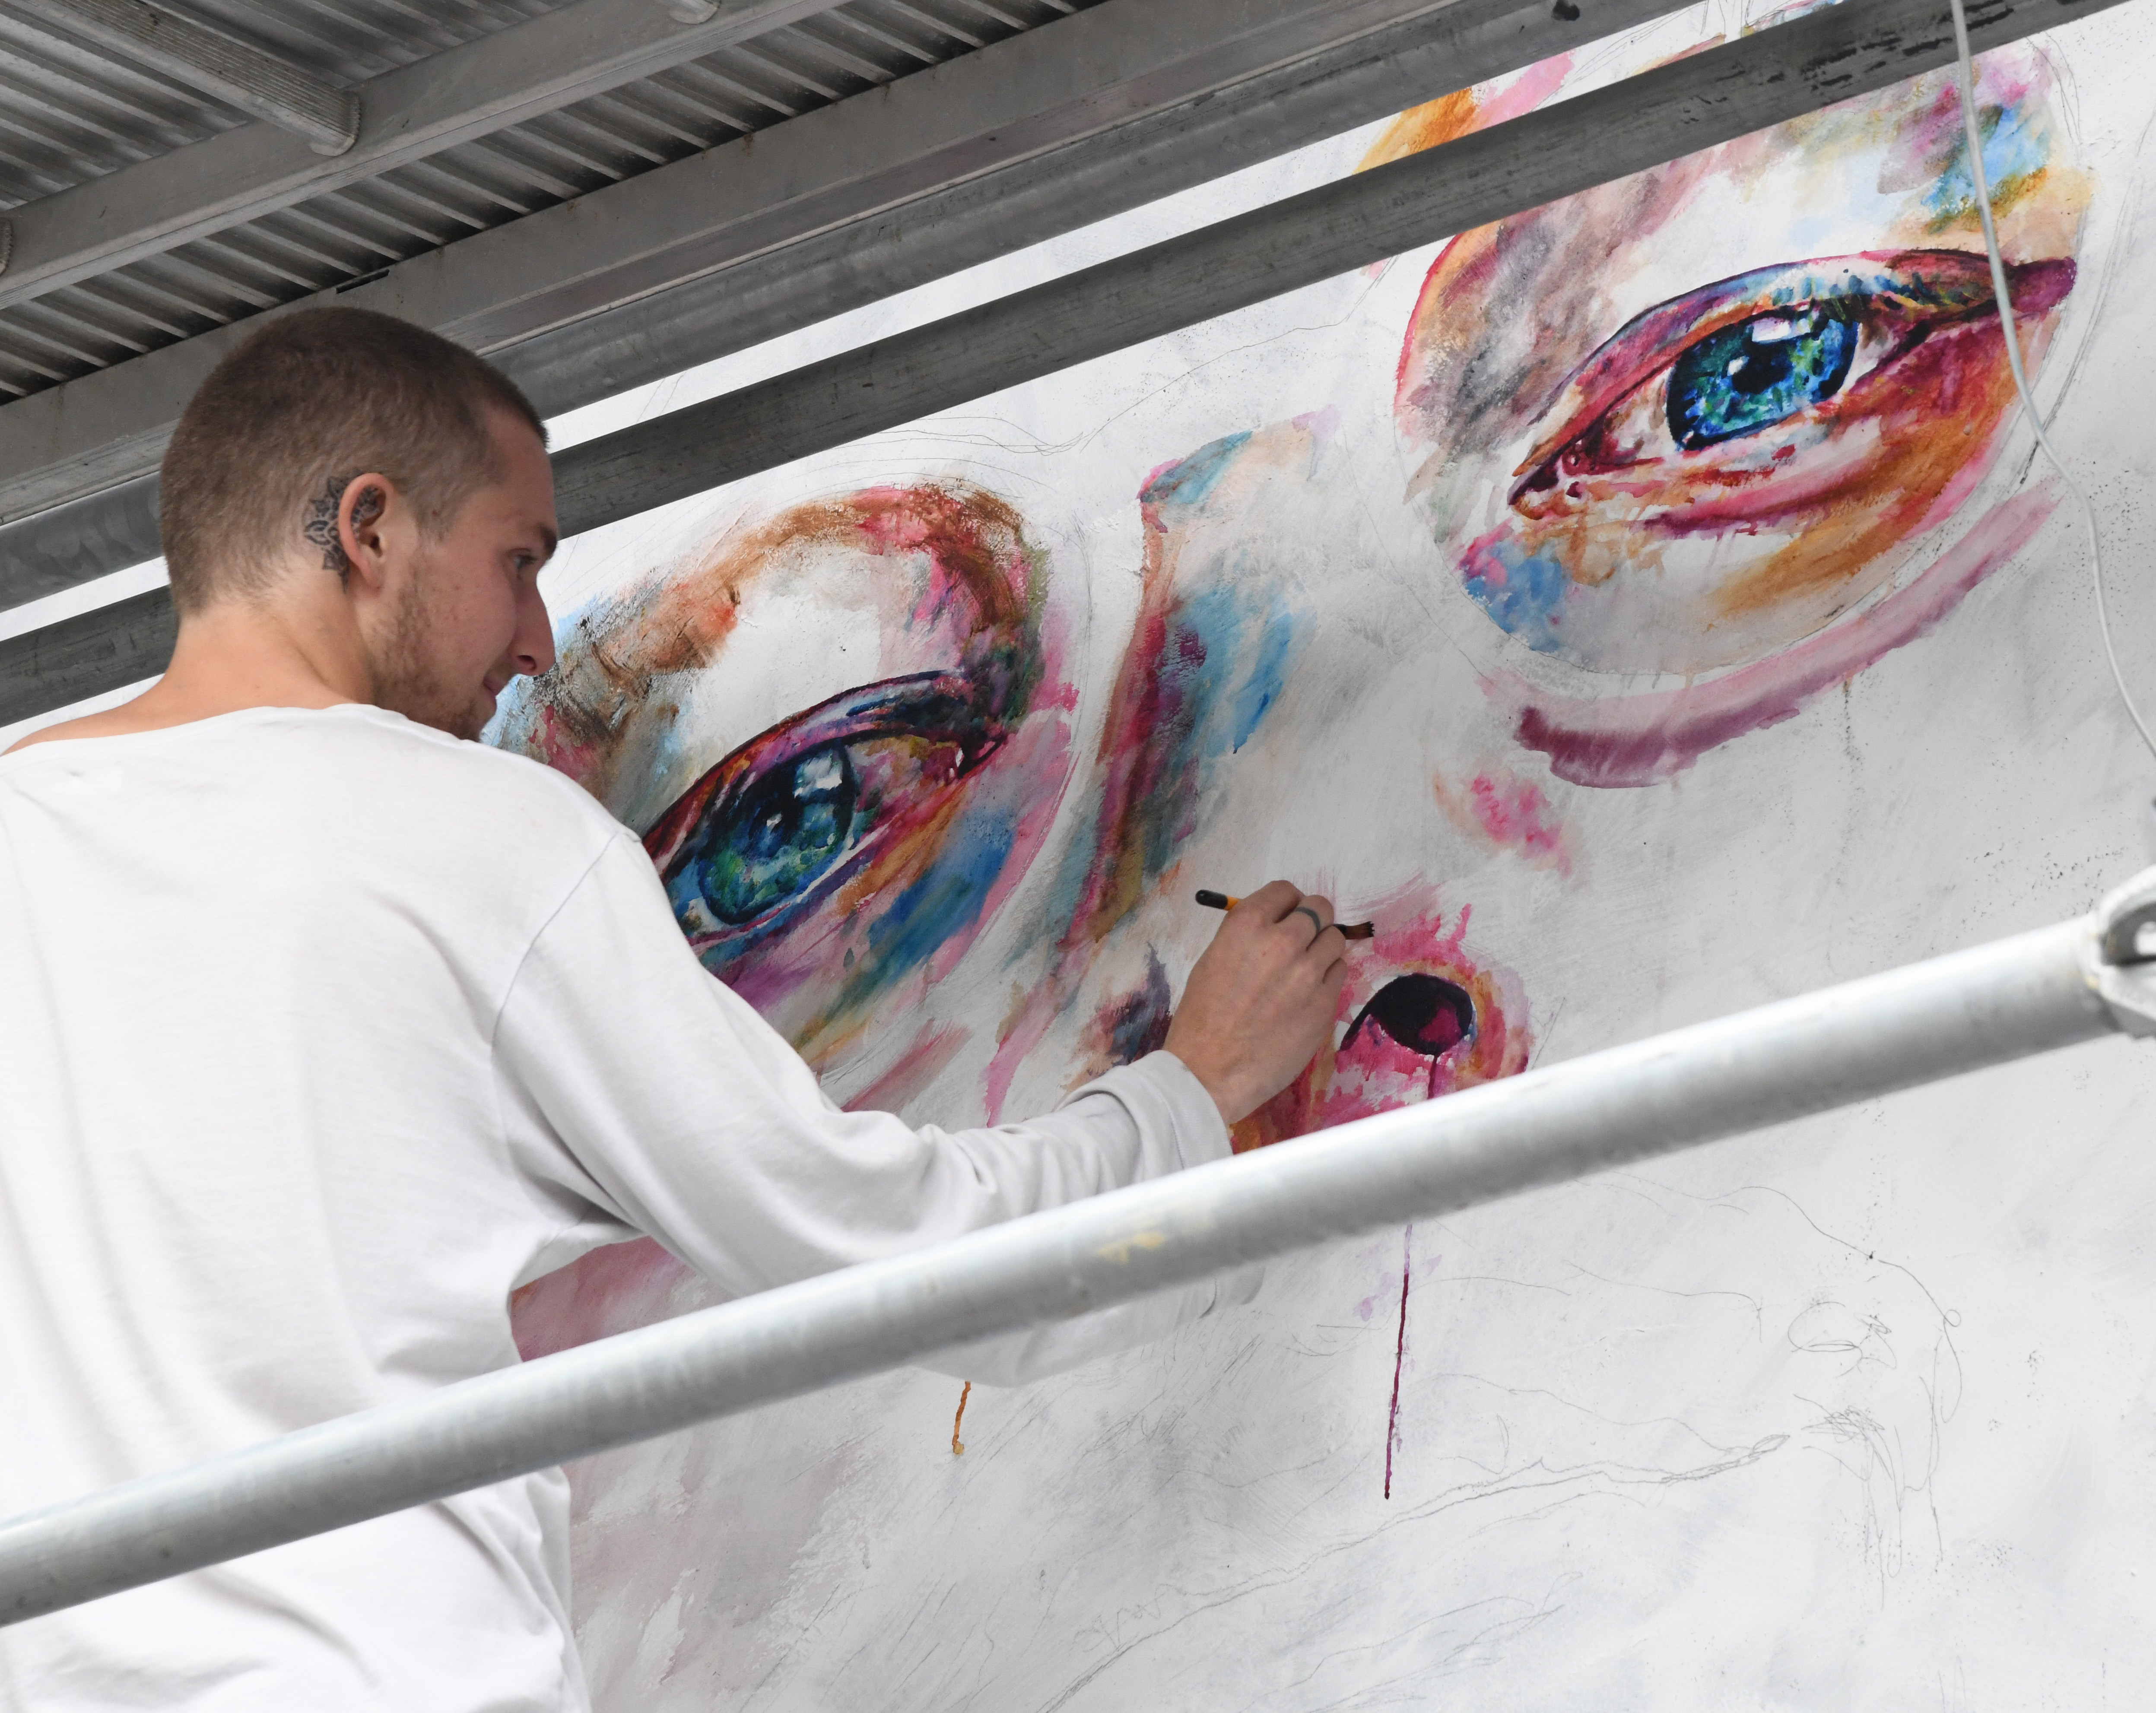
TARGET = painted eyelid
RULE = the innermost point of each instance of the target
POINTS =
(923, 703)
(1923, 286)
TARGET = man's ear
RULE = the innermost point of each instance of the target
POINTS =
(363, 511)
(344, 523)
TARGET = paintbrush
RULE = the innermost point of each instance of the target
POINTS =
(1349, 931)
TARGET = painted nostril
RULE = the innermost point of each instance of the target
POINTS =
(1425, 1014)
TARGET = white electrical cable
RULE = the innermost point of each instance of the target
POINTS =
(1999, 287)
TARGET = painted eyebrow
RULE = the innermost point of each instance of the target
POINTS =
(1925, 285)
(696, 607)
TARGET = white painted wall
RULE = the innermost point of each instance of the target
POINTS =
(1852, 1415)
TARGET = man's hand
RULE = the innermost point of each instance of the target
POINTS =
(1262, 999)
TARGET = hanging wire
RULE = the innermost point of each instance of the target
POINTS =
(2000, 291)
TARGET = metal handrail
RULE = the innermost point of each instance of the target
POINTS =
(1841, 1045)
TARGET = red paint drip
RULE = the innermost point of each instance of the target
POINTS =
(1400, 1358)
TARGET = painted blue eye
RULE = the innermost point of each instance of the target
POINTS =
(779, 838)
(1750, 377)
(790, 813)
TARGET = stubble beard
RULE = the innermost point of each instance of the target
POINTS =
(409, 680)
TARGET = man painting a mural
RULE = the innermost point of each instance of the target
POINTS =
(1491, 550)
(304, 1196)
(1639, 608)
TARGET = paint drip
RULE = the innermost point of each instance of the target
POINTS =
(1400, 1357)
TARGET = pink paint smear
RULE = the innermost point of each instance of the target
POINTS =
(1512, 814)
(1638, 740)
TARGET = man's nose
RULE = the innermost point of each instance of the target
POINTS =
(533, 647)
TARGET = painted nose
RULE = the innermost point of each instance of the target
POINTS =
(1425, 1014)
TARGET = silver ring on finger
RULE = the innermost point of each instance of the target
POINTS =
(1317, 926)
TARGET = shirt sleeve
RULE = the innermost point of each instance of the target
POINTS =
(687, 1117)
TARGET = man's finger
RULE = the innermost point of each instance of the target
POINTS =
(1327, 953)
(1274, 901)
(1316, 911)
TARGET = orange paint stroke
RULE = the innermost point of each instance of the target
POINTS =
(1451, 117)
(958, 1421)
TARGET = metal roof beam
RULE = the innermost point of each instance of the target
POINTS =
(1011, 102)
(782, 288)
(288, 96)
(417, 110)
(86, 655)
(1019, 142)
(1775, 75)
(1762, 80)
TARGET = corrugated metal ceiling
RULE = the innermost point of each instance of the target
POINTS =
(70, 114)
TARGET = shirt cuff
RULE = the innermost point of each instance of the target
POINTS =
(1165, 1097)
(1203, 1135)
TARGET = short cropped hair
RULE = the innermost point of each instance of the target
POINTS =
(284, 421)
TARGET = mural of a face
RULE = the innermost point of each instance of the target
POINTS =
(931, 780)
(1730, 420)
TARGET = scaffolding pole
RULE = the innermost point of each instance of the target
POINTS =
(2030, 994)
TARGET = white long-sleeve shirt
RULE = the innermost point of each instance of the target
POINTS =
(319, 1032)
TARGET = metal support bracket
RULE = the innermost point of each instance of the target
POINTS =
(2121, 961)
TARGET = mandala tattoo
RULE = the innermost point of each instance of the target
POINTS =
(320, 526)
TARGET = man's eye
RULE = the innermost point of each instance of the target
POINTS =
(781, 837)
(1748, 377)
